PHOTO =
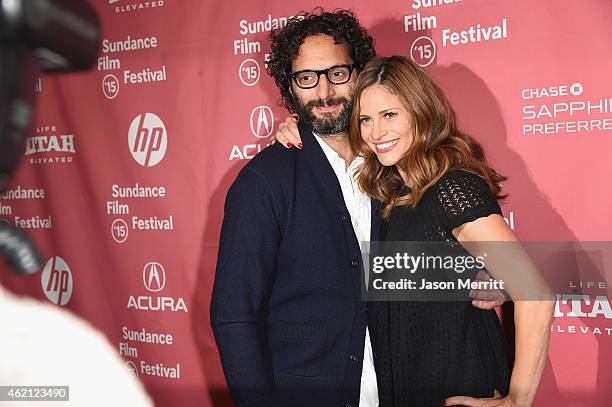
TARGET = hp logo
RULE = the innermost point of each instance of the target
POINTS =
(56, 280)
(148, 139)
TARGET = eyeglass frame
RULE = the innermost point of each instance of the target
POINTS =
(320, 72)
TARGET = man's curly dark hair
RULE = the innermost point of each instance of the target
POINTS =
(340, 24)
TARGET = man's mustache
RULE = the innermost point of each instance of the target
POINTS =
(327, 102)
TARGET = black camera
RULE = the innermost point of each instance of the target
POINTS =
(35, 36)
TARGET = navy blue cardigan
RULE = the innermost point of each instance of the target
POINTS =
(286, 306)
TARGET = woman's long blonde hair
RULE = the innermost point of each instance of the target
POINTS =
(437, 147)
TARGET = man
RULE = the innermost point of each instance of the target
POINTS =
(286, 309)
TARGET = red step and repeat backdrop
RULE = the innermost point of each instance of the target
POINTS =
(125, 174)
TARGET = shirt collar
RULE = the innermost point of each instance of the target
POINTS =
(333, 157)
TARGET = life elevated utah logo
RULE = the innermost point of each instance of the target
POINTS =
(128, 6)
(147, 139)
(50, 146)
(56, 281)
(593, 311)
(154, 280)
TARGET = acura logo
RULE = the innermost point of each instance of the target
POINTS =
(154, 276)
(262, 121)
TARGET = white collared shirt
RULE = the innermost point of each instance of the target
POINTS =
(359, 207)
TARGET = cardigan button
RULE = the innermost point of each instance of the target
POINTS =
(355, 359)
(345, 218)
(355, 263)
(347, 404)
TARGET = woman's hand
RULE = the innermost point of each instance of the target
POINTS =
(288, 133)
(496, 401)
(487, 299)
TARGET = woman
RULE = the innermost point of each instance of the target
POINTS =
(435, 185)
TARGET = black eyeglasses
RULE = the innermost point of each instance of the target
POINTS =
(337, 75)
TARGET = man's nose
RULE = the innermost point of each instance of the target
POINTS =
(325, 89)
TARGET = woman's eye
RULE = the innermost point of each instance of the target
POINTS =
(390, 115)
(364, 120)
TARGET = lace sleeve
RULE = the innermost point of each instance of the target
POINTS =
(464, 197)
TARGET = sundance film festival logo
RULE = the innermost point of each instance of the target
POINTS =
(110, 86)
(56, 280)
(128, 6)
(132, 368)
(148, 139)
(423, 51)
(120, 230)
(5, 210)
(249, 72)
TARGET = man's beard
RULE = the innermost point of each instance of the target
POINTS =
(331, 122)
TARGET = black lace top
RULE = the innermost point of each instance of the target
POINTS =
(425, 352)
